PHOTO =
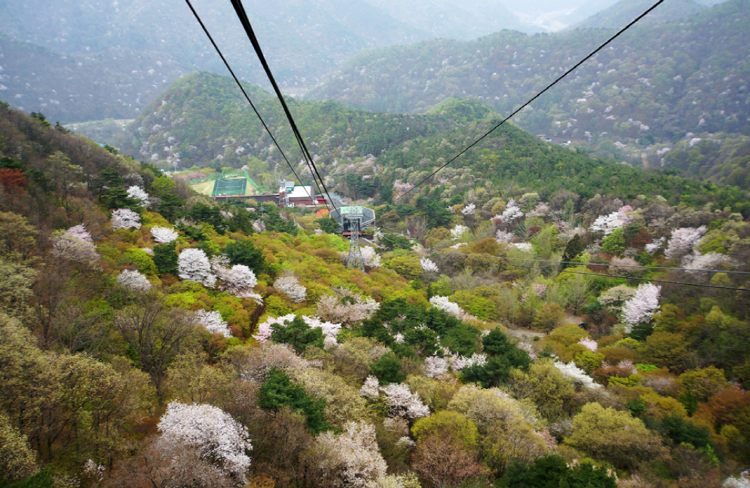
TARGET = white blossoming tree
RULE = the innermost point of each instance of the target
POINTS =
(576, 374)
(458, 231)
(213, 322)
(164, 235)
(289, 285)
(239, 280)
(608, 223)
(210, 431)
(124, 218)
(138, 193)
(512, 212)
(683, 240)
(346, 307)
(352, 458)
(74, 247)
(329, 329)
(642, 306)
(435, 367)
(370, 258)
(447, 306)
(193, 265)
(80, 232)
(469, 209)
(134, 280)
(429, 266)
(403, 403)
(370, 388)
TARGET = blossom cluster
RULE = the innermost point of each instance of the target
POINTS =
(511, 213)
(164, 235)
(429, 266)
(124, 218)
(458, 231)
(573, 372)
(370, 258)
(138, 193)
(683, 241)
(346, 307)
(289, 285)
(134, 280)
(265, 330)
(212, 321)
(608, 223)
(75, 244)
(211, 431)
(642, 306)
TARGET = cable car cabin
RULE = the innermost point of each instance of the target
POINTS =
(344, 216)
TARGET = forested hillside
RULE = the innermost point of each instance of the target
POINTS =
(150, 337)
(655, 86)
(115, 83)
(203, 121)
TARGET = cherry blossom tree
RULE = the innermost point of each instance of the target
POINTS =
(642, 306)
(213, 322)
(458, 363)
(289, 285)
(265, 330)
(589, 344)
(698, 261)
(523, 246)
(352, 458)
(193, 265)
(124, 218)
(370, 258)
(370, 388)
(683, 240)
(444, 304)
(573, 372)
(512, 212)
(458, 231)
(69, 246)
(608, 223)
(212, 432)
(164, 235)
(138, 193)
(504, 237)
(435, 367)
(469, 209)
(403, 403)
(655, 245)
(239, 280)
(80, 232)
(429, 266)
(346, 307)
(134, 280)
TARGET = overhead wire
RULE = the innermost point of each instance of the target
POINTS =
(245, 21)
(244, 92)
(592, 54)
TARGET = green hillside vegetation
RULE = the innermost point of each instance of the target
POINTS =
(130, 359)
(655, 86)
(202, 121)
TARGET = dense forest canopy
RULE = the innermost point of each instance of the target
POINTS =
(173, 341)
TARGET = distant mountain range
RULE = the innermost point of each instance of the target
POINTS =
(656, 85)
(117, 54)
